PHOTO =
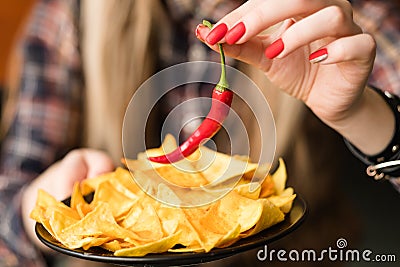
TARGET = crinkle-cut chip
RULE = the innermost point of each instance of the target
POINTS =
(218, 167)
(144, 223)
(239, 209)
(279, 177)
(271, 215)
(115, 195)
(245, 189)
(158, 246)
(99, 222)
(189, 237)
(89, 185)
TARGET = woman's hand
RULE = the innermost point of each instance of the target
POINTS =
(59, 179)
(333, 86)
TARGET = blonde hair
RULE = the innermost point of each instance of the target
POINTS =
(117, 57)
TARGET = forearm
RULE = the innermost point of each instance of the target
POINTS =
(370, 125)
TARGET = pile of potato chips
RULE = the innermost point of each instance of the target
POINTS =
(124, 219)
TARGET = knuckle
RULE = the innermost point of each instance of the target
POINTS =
(348, 7)
(74, 154)
(337, 16)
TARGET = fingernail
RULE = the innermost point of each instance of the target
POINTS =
(318, 55)
(198, 28)
(234, 34)
(216, 34)
(274, 49)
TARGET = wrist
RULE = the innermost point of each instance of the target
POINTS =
(386, 163)
(369, 125)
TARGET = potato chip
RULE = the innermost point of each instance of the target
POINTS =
(279, 177)
(212, 226)
(244, 189)
(124, 219)
(244, 211)
(78, 202)
(158, 246)
(179, 177)
(230, 237)
(96, 242)
(285, 200)
(45, 205)
(113, 245)
(218, 167)
(118, 197)
(200, 221)
(267, 187)
(99, 222)
(271, 215)
(189, 236)
(91, 184)
(125, 177)
(168, 145)
(145, 223)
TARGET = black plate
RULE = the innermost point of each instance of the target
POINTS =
(292, 220)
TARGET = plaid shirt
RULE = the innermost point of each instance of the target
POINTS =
(46, 123)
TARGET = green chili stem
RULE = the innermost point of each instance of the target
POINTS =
(223, 83)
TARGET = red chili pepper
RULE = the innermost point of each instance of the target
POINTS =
(220, 106)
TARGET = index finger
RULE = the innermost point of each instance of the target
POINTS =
(255, 16)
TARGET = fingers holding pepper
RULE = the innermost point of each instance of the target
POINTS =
(315, 20)
(254, 16)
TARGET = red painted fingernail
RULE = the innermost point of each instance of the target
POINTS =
(217, 33)
(318, 55)
(274, 49)
(198, 28)
(234, 34)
